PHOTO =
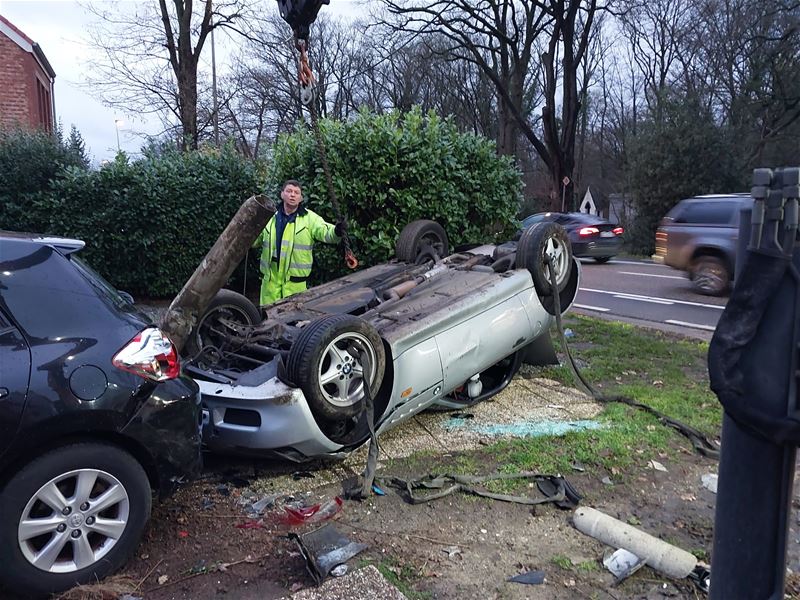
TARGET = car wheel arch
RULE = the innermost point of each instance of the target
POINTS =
(714, 252)
(31, 452)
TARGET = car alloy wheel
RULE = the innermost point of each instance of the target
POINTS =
(65, 532)
(332, 360)
(341, 371)
(541, 241)
(70, 516)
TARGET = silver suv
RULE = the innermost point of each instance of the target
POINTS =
(699, 236)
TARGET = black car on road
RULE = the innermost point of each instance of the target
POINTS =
(95, 419)
(591, 236)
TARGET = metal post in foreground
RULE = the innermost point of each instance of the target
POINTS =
(753, 362)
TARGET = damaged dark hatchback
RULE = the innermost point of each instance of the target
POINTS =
(95, 418)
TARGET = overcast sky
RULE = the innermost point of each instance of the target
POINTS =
(59, 27)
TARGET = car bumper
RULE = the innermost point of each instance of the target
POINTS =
(168, 426)
(271, 418)
(597, 248)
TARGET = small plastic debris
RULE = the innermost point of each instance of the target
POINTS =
(206, 503)
(568, 333)
(576, 466)
(710, 482)
(377, 490)
(129, 597)
(701, 577)
(529, 578)
(311, 514)
(162, 579)
(324, 549)
(622, 563)
(654, 464)
(263, 504)
(339, 570)
(297, 475)
(296, 587)
(451, 551)
(223, 490)
(183, 533)
(607, 480)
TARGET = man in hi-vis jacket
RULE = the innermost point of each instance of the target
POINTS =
(287, 245)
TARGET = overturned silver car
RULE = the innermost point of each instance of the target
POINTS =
(427, 330)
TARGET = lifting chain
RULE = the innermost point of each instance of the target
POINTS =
(308, 99)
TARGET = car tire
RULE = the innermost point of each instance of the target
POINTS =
(420, 240)
(226, 304)
(710, 275)
(602, 259)
(331, 378)
(537, 241)
(69, 476)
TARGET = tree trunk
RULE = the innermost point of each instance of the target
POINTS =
(215, 269)
(507, 131)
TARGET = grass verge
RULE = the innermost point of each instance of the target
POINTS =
(662, 370)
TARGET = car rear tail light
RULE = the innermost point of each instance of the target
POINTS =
(618, 230)
(150, 354)
(588, 231)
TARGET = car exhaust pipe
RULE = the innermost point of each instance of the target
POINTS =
(401, 289)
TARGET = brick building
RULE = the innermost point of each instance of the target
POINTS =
(26, 81)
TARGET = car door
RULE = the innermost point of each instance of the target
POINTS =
(15, 370)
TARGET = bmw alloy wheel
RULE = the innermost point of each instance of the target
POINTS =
(342, 370)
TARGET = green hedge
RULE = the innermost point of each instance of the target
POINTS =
(29, 161)
(149, 223)
(389, 170)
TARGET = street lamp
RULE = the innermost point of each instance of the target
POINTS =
(118, 123)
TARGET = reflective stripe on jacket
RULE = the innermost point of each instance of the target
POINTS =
(285, 270)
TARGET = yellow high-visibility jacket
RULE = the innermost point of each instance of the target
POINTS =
(286, 272)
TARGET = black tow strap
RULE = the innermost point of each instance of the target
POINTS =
(556, 489)
(363, 491)
(699, 440)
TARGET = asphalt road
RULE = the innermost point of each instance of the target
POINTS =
(648, 294)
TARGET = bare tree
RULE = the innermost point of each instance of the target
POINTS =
(502, 37)
(747, 61)
(149, 56)
(657, 31)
